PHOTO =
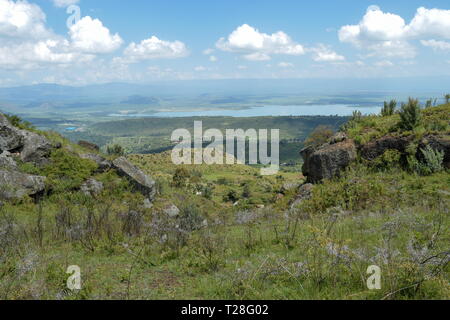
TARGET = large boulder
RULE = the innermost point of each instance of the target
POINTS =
(327, 161)
(374, 149)
(36, 148)
(6, 161)
(437, 142)
(10, 136)
(92, 187)
(15, 185)
(136, 176)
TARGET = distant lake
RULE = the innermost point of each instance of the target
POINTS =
(264, 111)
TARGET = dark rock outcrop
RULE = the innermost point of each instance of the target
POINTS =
(327, 161)
(89, 145)
(10, 137)
(15, 185)
(374, 149)
(136, 176)
(437, 142)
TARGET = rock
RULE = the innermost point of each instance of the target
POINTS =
(10, 136)
(139, 179)
(7, 162)
(338, 137)
(89, 145)
(374, 149)
(437, 142)
(15, 185)
(147, 204)
(304, 193)
(172, 211)
(36, 148)
(289, 186)
(102, 163)
(328, 161)
(92, 187)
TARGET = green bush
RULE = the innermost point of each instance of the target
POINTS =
(115, 150)
(410, 115)
(319, 136)
(389, 108)
(447, 98)
(432, 162)
(390, 159)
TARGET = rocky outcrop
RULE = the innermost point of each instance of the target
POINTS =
(35, 149)
(15, 185)
(89, 145)
(102, 163)
(172, 211)
(6, 161)
(374, 149)
(32, 147)
(136, 176)
(327, 161)
(437, 142)
(304, 193)
(92, 187)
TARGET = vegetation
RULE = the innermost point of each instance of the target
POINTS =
(319, 136)
(389, 108)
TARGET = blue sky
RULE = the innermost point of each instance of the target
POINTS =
(144, 41)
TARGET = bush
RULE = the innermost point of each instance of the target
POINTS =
(115, 150)
(447, 98)
(432, 162)
(410, 115)
(389, 108)
(390, 159)
(180, 178)
(319, 136)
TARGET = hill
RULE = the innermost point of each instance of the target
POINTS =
(225, 232)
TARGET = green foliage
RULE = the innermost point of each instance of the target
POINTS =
(16, 121)
(447, 98)
(432, 162)
(67, 171)
(390, 159)
(410, 115)
(181, 177)
(231, 196)
(115, 150)
(389, 108)
(319, 136)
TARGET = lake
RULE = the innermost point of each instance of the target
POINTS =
(268, 110)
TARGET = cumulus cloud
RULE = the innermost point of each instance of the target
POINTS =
(323, 53)
(89, 35)
(258, 46)
(437, 45)
(285, 65)
(388, 34)
(27, 43)
(154, 48)
(64, 3)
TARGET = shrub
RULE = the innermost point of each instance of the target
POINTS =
(389, 108)
(390, 159)
(231, 196)
(190, 218)
(432, 162)
(115, 150)
(447, 98)
(410, 115)
(181, 177)
(319, 136)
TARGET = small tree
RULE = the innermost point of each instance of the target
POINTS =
(410, 115)
(447, 98)
(319, 136)
(115, 149)
(389, 108)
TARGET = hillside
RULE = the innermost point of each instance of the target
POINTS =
(225, 232)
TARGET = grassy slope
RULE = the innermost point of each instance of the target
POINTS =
(321, 250)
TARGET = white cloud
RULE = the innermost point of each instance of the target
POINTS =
(257, 46)
(208, 51)
(384, 63)
(285, 65)
(154, 48)
(437, 45)
(213, 59)
(387, 34)
(64, 3)
(323, 53)
(89, 35)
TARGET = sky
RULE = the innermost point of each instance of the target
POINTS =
(78, 42)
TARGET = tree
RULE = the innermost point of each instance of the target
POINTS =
(447, 98)
(115, 149)
(410, 115)
(319, 136)
(389, 108)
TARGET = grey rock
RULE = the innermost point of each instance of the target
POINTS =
(16, 185)
(6, 161)
(328, 161)
(338, 137)
(10, 136)
(36, 148)
(304, 193)
(102, 163)
(89, 145)
(172, 211)
(147, 204)
(136, 176)
(92, 187)
(374, 149)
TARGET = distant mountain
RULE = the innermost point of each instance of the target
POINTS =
(137, 99)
